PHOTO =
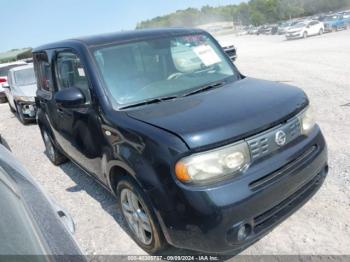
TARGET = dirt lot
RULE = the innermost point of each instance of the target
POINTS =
(319, 65)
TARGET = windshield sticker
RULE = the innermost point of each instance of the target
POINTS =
(81, 71)
(207, 55)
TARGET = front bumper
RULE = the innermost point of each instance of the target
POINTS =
(28, 109)
(208, 219)
(329, 28)
(294, 35)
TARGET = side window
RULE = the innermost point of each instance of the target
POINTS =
(9, 82)
(70, 73)
(43, 72)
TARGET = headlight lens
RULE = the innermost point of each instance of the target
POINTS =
(214, 164)
(307, 121)
(25, 98)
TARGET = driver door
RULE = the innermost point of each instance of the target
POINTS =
(77, 128)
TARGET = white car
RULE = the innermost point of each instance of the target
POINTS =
(4, 68)
(20, 92)
(305, 29)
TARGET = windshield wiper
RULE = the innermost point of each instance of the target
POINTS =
(205, 88)
(149, 101)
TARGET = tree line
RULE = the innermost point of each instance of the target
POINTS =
(255, 12)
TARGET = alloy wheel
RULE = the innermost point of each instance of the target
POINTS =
(136, 216)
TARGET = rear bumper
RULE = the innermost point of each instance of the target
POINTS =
(209, 219)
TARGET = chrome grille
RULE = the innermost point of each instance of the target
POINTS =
(264, 143)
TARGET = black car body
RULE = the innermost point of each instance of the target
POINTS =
(150, 144)
(31, 223)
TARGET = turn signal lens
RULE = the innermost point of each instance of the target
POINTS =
(181, 172)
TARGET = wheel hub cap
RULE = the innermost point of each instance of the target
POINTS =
(136, 216)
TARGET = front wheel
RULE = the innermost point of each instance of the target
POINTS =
(321, 32)
(52, 152)
(11, 108)
(21, 117)
(3, 99)
(140, 218)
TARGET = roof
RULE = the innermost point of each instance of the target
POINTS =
(13, 63)
(124, 36)
(18, 68)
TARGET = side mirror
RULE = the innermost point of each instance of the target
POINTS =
(70, 97)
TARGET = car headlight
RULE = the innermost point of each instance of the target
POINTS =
(215, 164)
(24, 98)
(307, 121)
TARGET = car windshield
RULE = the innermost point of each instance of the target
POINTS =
(331, 18)
(4, 70)
(300, 25)
(25, 77)
(162, 67)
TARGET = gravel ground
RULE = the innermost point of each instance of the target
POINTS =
(319, 65)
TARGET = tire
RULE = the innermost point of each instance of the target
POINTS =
(55, 156)
(3, 100)
(139, 216)
(21, 116)
(11, 109)
(305, 35)
(321, 32)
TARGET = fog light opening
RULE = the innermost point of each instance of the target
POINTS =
(243, 232)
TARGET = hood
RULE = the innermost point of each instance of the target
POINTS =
(330, 22)
(295, 29)
(27, 90)
(225, 114)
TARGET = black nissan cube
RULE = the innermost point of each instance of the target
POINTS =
(199, 156)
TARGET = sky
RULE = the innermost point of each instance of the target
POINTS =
(29, 23)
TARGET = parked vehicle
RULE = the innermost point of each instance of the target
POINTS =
(253, 31)
(31, 223)
(334, 23)
(198, 155)
(265, 30)
(274, 29)
(346, 17)
(305, 29)
(284, 27)
(20, 92)
(4, 68)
